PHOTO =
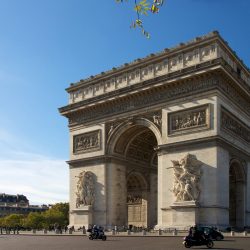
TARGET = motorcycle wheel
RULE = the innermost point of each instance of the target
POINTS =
(187, 245)
(91, 237)
(104, 237)
(210, 244)
(218, 238)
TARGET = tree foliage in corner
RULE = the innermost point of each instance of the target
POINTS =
(144, 7)
(57, 214)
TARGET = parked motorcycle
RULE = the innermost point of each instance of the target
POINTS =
(189, 242)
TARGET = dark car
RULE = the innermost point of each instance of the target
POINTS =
(212, 233)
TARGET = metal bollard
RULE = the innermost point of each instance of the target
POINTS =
(70, 231)
(128, 232)
(232, 233)
(160, 232)
(34, 231)
(45, 231)
(144, 232)
(113, 232)
(245, 233)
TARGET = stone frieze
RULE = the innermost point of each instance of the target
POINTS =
(189, 120)
(233, 125)
(143, 100)
(90, 141)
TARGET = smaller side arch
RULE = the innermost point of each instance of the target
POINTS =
(237, 190)
(239, 169)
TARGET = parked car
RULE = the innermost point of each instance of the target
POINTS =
(212, 233)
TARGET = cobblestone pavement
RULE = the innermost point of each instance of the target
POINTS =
(35, 242)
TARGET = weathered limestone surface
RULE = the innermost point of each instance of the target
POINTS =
(163, 141)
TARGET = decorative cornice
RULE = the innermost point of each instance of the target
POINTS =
(88, 161)
(157, 95)
(103, 159)
(226, 85)
(182, 57)
(198, 206)
(136, 101)
(167, 79)
(232, 125)
(214, 35)
(202, 143)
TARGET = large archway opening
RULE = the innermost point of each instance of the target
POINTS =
(135, 147)
(236, 195)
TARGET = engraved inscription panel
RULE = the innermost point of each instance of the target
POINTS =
(87, 142)
(189, 120)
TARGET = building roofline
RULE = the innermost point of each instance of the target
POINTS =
(212, 36)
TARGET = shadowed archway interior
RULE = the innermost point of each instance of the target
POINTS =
(236, 195)
(136, 146)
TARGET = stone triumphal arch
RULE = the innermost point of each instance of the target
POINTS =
(163, 141)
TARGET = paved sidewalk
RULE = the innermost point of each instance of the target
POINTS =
(125, 234)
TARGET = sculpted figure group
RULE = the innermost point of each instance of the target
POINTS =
(190, 120)
(85, 194)
(187, 174)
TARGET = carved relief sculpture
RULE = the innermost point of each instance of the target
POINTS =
(134, 199)
(85, 194)
(187, 174)
(87, 142)
(110, 127)
(189, 119)
(234, 126)
(157, 119)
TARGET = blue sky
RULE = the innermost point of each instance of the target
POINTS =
(47, 44)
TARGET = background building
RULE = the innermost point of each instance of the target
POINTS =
(18, 204)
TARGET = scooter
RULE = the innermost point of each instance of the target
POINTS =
(189, 242)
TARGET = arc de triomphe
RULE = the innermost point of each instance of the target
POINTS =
(163, 141)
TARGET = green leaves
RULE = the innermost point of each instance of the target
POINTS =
(154, 9)
(144, 7)
(58, 213)
(136, 23)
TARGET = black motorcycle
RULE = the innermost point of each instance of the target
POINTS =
(189, 242)
(97, 236)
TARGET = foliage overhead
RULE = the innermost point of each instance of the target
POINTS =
(143, 7)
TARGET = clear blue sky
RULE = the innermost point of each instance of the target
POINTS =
(47, 44)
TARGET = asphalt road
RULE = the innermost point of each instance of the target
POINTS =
(20, 242)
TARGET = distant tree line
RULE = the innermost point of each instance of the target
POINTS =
(57, 215)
